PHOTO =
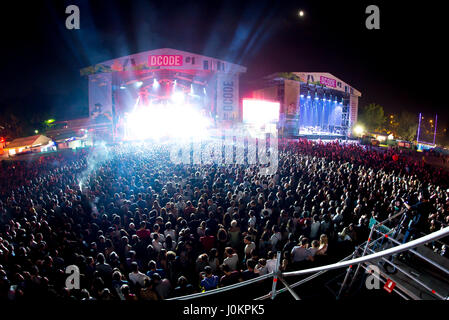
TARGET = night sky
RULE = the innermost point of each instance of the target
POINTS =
(401, 66)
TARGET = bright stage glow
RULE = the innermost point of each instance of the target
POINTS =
(301, 13)
(358, 130)
(139, 83)
(172, 120)
(178, 97)
(155, 84)
(260, 111)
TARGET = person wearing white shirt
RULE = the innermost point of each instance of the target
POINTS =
(271, 262)
(276, 237)
(315, 227)
(252, 219)
(231, 259)
(155, 243)
(169, 231)
(136, 276)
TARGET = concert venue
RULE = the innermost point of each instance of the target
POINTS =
(128, 92)
(221, 156)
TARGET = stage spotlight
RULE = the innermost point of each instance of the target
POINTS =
(191, 89)
(139, 83)
(301, 13)
(358, 130)
(122, 86)
(204, 91)
(155, 84)
(302, 96)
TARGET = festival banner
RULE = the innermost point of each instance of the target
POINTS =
(227, 97)
(291, 101)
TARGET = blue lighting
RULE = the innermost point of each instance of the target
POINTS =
(122, 87)
(302, 96)
(308, 97)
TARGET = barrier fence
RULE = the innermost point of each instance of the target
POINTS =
(322, 269)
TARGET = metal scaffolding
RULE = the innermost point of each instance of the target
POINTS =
(349, 262)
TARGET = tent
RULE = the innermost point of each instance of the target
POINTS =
(37, 143)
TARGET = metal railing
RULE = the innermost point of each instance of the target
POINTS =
(321, 269)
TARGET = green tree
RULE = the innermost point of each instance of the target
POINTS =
(373, 117)
(408, 125)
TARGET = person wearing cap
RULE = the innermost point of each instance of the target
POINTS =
(209, 281)
(418, 221)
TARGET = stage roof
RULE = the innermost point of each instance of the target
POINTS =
(324, 79)
(153, 60)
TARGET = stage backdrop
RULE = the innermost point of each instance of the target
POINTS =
(100, 98)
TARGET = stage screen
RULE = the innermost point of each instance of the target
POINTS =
(260, 111)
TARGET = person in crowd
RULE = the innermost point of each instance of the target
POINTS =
(137, 277)
(162, 286)
(261, 267)
(147, 292)
(301, 252)
(249, 273)
(249, 246)
(152, 269)
(231, 259)
(229, 276)
(209, 280)
(322, 249)
(184, 288)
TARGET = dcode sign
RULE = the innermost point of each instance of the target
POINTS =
(165, 60)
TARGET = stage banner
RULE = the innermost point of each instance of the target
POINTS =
(227, 97)
(291, 99)
(353, 108)
(100, 98)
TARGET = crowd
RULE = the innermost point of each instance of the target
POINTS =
(139, 227)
